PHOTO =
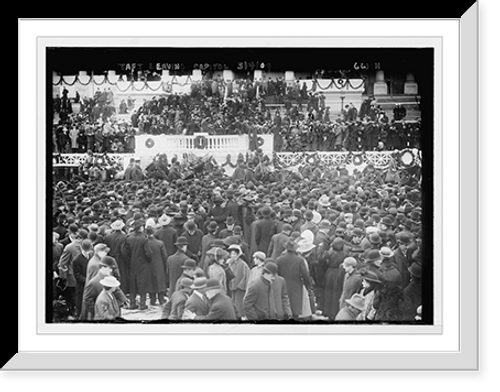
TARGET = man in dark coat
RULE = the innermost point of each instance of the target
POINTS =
(413, 292)
(256, 301)
(136, 250)
(167, 234)
(194, 237)
(80, 272)
(402, 258)
(93, 288)
(158, 262)
(294, 270)
(221, 306)
(207, 240)
(229, 230)
(174, 308)
(233, 208)
(115, 241)
(278, 242)
(352, 281)
(175, 262)
(198, 303)
(264, 230)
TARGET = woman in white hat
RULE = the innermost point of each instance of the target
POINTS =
(106, 305)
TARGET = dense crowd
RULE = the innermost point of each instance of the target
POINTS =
(336, 246)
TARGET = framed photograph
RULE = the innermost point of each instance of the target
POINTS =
(251, 201)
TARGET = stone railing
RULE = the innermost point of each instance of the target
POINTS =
(75, 160)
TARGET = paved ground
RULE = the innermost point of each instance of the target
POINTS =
(152, 313)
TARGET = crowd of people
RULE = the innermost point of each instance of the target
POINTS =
(297, 117)
(335, 246)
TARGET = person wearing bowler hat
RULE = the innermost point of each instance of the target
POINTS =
(387, 267)
(373, 261)
(353, 307)
(94, 287)
(278, 298)
(175, 262)
(293, 269)
(65, 266)
(80, 271)
(277, 245)
(197, 302)
(332, 259)
(371, 283)
(188, 269)
(217, 269)
(385, 225)
(228, 231)
(352, 280)
(207, 240)
(100, 250)
(106, 306)
(413, 292)
(167, 234)
(239, 283)
(402, 257)
(221, 306)
(135, 250)
(194, 237)
(257, 302)
(157, 256)
(114, 242)
(174, 308)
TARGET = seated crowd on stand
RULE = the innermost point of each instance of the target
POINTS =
(335, 246)
(301, 122)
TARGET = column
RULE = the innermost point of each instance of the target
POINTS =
(411, 87)
(380, 86)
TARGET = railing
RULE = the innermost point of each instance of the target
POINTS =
(75, 160)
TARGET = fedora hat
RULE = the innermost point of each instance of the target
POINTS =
(164, 220)
(86, 245)
(138, 224)
(199, 283)
(357, 232)
(218, 243)
(190, 226)
(357, 301)
(181, 241)
(403, 238)
(374, 238)
(229, 220)
(212, 226)
(291, 246)
(109, 281)
(237, 230)
(416, 270)
(305, 246)
(386, 252)
(117, 225)
(188, 264)
(101, 247)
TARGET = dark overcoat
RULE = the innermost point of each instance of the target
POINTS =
(293, 268)
(135, 250)
(158, 259)
(264, 230)
(168, 236)
(221, 308)
(115, 241)
(174, 269)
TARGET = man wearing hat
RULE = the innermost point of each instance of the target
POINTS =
(167, 234)
(264, 230)
(157, 256)
(65, 266)
(278, 242)
(413, 292)
(352, 281)
(198, 303)
(354, 306)
(106, 305)
(174, 308)
(238, 285)
(221, 306)
(257, 299)
(94, 287)
(402, 257)
(135, 251)
(385, 225)
(188, 269)
(229, 230)
(194, 237)
(309, 224)
(278, 298)
(258, 265)
(80, 272)
(293, 269)
(114, 242)
(175, 262)
(207, 240)
(100, 250)
(218, 213)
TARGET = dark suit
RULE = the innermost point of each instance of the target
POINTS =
(197, 305)
(256, 300)
(115, 242)
(174, 269)
(221, 308)
(277, 245)
(136, 251)
(293, 268)
(168, 236)
(174, 309)
(264, 230)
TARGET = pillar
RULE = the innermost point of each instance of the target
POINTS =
(411, 87)
(196, 75)
(228, 75)
(258, 75)
(380, 86)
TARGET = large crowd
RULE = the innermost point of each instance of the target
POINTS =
(207, 246)
(299, 119)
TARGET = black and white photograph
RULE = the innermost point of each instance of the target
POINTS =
(244, 185)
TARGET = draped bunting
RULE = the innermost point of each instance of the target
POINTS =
(99, 80)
